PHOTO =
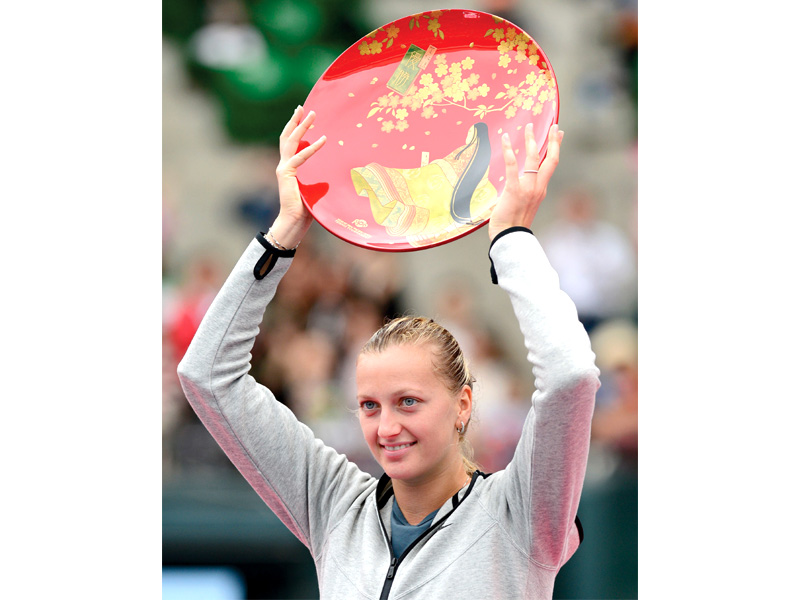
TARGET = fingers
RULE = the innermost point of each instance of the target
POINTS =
(290, 126)
(532, 183)
(307, 152)
(512, 172)
(290, 138)
(294, 131)
(550, 162)
(519, 201)
(531, 149)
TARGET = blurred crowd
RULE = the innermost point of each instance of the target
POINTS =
(329, 304)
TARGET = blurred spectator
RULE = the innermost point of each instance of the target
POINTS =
(308, 361)
(279, 326)
(330, 310)
(455, 310)
(185, 308)
(258, 204)
(228, 40)
(362, 318)
(593, 258)
(627, 39)
(185, 442)
(172, 405)
(376, 276)
(168, 219)
(633, 227)
(299, 290)
(500, 403)
(616, 420)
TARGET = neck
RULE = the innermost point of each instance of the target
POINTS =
(418, 500)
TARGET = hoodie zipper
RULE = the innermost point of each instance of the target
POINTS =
(395, 563)
(387, 582)
(390, 574)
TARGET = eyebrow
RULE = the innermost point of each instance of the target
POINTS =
(404, 392)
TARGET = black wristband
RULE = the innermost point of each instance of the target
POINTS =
(271, 255)
(492, 272)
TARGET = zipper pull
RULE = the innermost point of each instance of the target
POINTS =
(392, 567)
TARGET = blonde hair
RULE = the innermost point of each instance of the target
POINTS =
(451, 365)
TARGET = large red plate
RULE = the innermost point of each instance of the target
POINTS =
(413, 114)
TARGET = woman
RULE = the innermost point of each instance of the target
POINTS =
(432, 526)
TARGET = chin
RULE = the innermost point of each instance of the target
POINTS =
(399, 472)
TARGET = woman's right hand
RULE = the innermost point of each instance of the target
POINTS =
(293, 220)
(522, 195)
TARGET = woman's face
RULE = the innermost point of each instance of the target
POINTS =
(407, 414)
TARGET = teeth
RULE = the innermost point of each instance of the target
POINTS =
(394, 448)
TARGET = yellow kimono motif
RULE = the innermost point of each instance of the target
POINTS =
(437, 201)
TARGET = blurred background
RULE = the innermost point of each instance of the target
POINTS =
(233, 70)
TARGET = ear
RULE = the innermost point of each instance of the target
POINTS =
(465, 404)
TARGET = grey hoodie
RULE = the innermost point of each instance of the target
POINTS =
(503, 536)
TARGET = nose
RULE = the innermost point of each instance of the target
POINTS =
(389, 425)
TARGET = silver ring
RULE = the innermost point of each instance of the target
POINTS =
(530, 171)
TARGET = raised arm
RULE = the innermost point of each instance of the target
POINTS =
(540, 489)
(301, 480)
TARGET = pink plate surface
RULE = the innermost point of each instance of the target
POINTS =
(413, 114)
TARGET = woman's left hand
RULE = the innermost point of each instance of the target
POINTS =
(523, 194)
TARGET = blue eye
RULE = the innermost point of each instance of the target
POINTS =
(369, 405)
(409, 401)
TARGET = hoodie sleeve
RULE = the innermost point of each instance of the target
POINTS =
(541, 486)
(305, 483)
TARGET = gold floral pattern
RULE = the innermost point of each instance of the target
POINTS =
(433, 22)
(376, 46)
(452, 83)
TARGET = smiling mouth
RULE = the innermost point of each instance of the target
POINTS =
(398, 447)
